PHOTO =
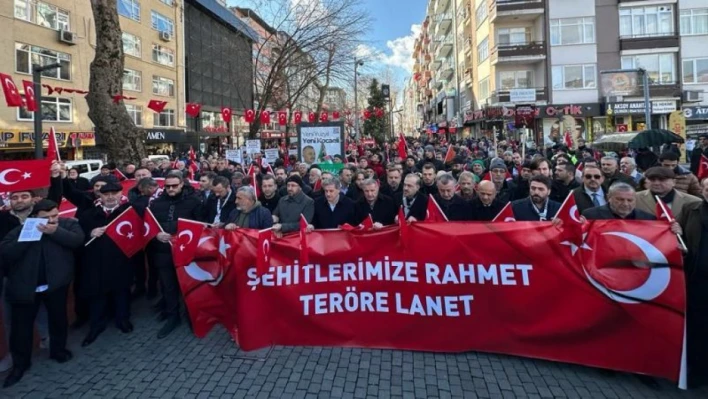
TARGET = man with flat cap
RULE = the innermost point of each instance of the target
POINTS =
(662, 183)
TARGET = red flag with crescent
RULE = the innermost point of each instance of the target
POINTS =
(126, 231)
(282, 118)
(12, 95)
(226, 114)
(297, 116)
(249, 116)
(505, 215)
(29, 95)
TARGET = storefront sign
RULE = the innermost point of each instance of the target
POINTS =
(697, 130)
(18, 139)
(557, 110)
(522, 95)
(637, 107)
(164, 136)
(695, 113)
(627, 83)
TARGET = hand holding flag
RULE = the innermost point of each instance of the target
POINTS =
(505, 215)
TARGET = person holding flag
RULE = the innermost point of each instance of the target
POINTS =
(662, 183)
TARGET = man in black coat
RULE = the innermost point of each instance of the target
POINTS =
(177, 202)
(393, 186)
(453, 206)
(485, 206)
(498, 172)
(610, 168)
(564, 181)
(414, 203)
(537, 206)
(269, 193)
(381, 208)
(219, 205)
(105, 271)
(621, 204)
(333, 209)
(428, 186)
(39, 272)
(701, 149)
(591, 193)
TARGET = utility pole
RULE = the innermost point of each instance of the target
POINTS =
(37, 83)
(357, 64)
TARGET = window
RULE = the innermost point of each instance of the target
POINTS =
(574, 77)
(165, 118)
(136, 113)
(572, 31)
(54, 109)
(646, 21)
(515, 80)
(483, 50)
(132, 45)
(481, 13)
(511, 36)
(163, 55)
(162, 23)
(132, 80)
(694, 21)
(695, 71)
(163, 86)
(42, 14)
(129, 9)
(27, 55)
(661, 68)
(483, 89)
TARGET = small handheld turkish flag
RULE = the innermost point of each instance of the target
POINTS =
(265, 238)
(402, 151)
(125, 231)
(367, 223)
(282, 118)
(297, 116)
(119, 175)
(572, 222)
(150, 226)
(24, 175)
(450, 155)
(29, 95)
(335, 115)
(249, 116)
(703, 168)
(193, 109)
(304, 250)
(434, 214)
(324, 117)
(663, 212)
(505, 215)
(226, 114)
(53, 148)
(12, 96)
(185, 243)
(265, 117)
(157, 105)
(312, 117)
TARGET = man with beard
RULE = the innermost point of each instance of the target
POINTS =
(314, 180)
(454, 207)
(564, 182)
(662, 183)
(177, 202)
(429, 173)
(332, 209)
(485, 207)
(393, 185)
(280, 177)
(410, 166)
(517, 164)
(414, 202)
(222, 168)
(296, 203)
(458, 165)
(537, 206)
(429, 157)
(249, 213)
(685, 180)
(219, 205)
(467, 185)
(506, 189)
(269, 193)
(105, 270)
(381, 208)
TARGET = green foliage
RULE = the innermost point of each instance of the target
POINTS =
(375, 127)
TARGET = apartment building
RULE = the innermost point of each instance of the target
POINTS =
(335, 99)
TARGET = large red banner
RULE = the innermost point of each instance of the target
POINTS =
(612, 299)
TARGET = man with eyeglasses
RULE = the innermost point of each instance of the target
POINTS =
(590, 194)
(174, 204)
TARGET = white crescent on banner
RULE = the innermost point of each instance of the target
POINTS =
(655, 285)
(120, 226)
(186, 233)
(3, 177)
(266, 249)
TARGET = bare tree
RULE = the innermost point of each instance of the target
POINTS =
(124, 141)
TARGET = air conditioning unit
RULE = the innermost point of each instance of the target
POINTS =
(165, 36)
(690, 96)
(66, 37)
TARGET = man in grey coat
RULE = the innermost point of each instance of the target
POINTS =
(287, 213)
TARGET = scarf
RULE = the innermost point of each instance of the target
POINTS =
(123, 200)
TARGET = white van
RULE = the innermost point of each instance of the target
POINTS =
(158, 158)
(88, 168)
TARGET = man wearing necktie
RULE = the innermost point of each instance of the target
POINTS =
(590, 194)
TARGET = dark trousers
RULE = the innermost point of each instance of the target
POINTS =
(99, 308)
(169, 285)
(23, 316)
(139, 270)
(81, 306)
(152, 276)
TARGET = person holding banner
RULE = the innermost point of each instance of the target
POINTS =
(382, 209)
(105, 272)
(537, 206)
(411, 200)
(621, 204)
(248, 212)
(332, 209)
(287, 213)
(485, 206)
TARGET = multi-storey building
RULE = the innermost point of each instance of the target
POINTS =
(335, 99)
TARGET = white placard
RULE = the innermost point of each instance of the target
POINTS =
(271, 154)
(253, 146)
(234, 156)
(522, 95)
(29, 230)
(292, 152)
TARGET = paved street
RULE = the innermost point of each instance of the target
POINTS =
(182, 366)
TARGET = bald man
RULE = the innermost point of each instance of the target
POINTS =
(486, 205)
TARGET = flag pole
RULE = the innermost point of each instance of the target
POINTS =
(671, 220)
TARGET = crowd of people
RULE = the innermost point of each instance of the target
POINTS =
(370, 183)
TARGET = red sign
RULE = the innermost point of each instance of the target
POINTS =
(621, 128)
(522, 288)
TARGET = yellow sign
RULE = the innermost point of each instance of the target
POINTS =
(677, 124)
(20, 139)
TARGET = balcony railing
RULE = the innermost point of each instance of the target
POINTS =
(649, 40)
(499, 8)
(504, 95)
(518, 51)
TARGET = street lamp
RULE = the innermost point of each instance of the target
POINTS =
(357, 64)
(37, 83)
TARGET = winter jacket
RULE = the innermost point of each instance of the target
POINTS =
(167, 210)
(687, 182)
(258, 218)
(524, 210)
(326, 218)
(289, 210)
(384, 210)
(211, 206)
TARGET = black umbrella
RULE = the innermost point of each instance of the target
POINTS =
(654, 138)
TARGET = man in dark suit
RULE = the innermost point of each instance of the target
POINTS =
(414, 202)
(333, 209)
(590, 194)
(381, 208)
(220, 204)
(485, 206)
(564, 181)
(393, 186)
(537, 206)
(269, 193)
(452, 205)
(621, 204)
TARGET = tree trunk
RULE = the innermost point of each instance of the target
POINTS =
(123, 140)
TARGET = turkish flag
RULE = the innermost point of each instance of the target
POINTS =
(663, 212)
(312, 117)
(24, 175)
(126, 232)
(402, 151)
(367, 114)
(282, 118)
(434, 214)
(49, 88)
(335, 115)
(450, 155)
(304, 250)
(572, 223)
(12, 96)
(568, 141)
(297, 116)
(379, 112)
(30, 98)
(226, 114)
(119, 175)
(505, 215)
(253, 180)
(184, 244)
(193, 109)
(317, 186)
(249, 116)
(703, 168)
(265, 117)
(53, 148)
(324, 117)
(157, 105)
(265, 238)
(150, 226)
(367, 223)
(403, 226)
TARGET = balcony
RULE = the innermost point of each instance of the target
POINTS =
(516, 9)
(443, 22)
(518, 52)
(435, 64)
(647, 41)
(504, 96)
(444, 47)
(441, 5)
(468, 77)
(447, 69)
(665, 90)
